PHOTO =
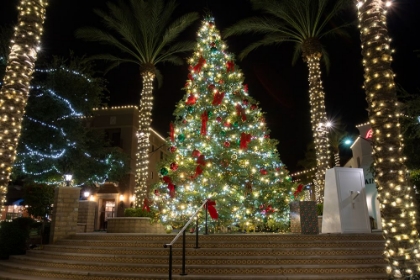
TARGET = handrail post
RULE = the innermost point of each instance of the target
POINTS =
(170, 262)
(183, 254)
(196, 233)
(207, 203)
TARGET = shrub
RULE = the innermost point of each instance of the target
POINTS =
(320, 209)
(138, 212)
(14, 236)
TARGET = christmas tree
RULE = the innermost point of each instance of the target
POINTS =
(220, 148)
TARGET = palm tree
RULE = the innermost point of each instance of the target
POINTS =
(395, 195)
(144, 33)
(305, 23)
(15, 89)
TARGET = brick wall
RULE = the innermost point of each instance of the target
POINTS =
(86, 214)
(65, 213)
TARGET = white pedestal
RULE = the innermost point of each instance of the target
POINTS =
(345, 209)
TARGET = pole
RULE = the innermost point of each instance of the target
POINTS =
(183, 254)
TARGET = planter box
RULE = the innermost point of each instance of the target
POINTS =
(303, 217)
(133, 225)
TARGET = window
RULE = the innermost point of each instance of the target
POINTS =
(151, 175)
(161, 155)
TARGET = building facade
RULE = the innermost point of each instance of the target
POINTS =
(362, 158)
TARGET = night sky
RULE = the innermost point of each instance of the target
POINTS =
(281, 89)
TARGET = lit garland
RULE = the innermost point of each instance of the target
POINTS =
(318, 121)
(42, 157)
(15, 90)
(396, 197)
(220, 147)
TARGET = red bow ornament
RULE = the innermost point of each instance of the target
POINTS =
(217, 98)
(245, 139)
(230, 66)
(204, 119)
(199, 65)
(172, 131)
(171, 186)
(146, 205)
(212, 210)
(191, 100)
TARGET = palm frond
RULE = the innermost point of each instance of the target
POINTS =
(179, 47)
(270, 39)
(296, 53)
(326, 60)
(97, 35)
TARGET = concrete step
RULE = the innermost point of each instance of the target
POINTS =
(100, 256)
(199, 260)
(360, 272)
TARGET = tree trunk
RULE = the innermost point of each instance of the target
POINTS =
(143, 136)
(394, 194)
(318, 122)
(15, 91)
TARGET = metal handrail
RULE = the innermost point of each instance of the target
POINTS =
(182, 231)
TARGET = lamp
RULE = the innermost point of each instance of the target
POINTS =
(68, 178)
(86, 194)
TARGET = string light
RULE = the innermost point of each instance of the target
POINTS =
(15, 90)
(395, 196)
(251, 186)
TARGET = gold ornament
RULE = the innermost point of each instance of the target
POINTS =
(189, 117)
(234, 157)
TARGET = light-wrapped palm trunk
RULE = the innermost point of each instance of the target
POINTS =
(318, 120)
(143, 137)
(395, 195)
(15, 91)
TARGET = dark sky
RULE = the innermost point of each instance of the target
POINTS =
(281, 88)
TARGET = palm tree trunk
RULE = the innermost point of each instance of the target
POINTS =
(143, 146)
(337, 159)
(15, 91)
(395, 195)
(318, 121)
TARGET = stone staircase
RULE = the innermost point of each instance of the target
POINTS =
(105, 256)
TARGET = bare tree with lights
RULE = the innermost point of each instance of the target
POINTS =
(394, 193)
(304, 23)
(144, 33)
(15, 90)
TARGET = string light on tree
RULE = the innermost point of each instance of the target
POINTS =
(14, 93)
(220, 147)
(398, 206)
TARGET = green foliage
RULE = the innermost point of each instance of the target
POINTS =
(39, 198)
(62, 94)
(231, 158)
(13, 236)
(320, 209)
(140, 212)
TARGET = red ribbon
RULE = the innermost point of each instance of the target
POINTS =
(172, 131)
(191, 100)
(199, 65)
(212, 210)
(201, 160)
(246, 87)
(204, 119)
(171, 186)
(240, 112)
(198, 171)
(298, 190)
(217, 98)
(230, 66)
(245, 139)
(146, 205)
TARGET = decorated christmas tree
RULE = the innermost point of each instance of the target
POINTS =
(221, 148)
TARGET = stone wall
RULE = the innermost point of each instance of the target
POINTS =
(86, 217)
(133, 225)
(65, 213)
